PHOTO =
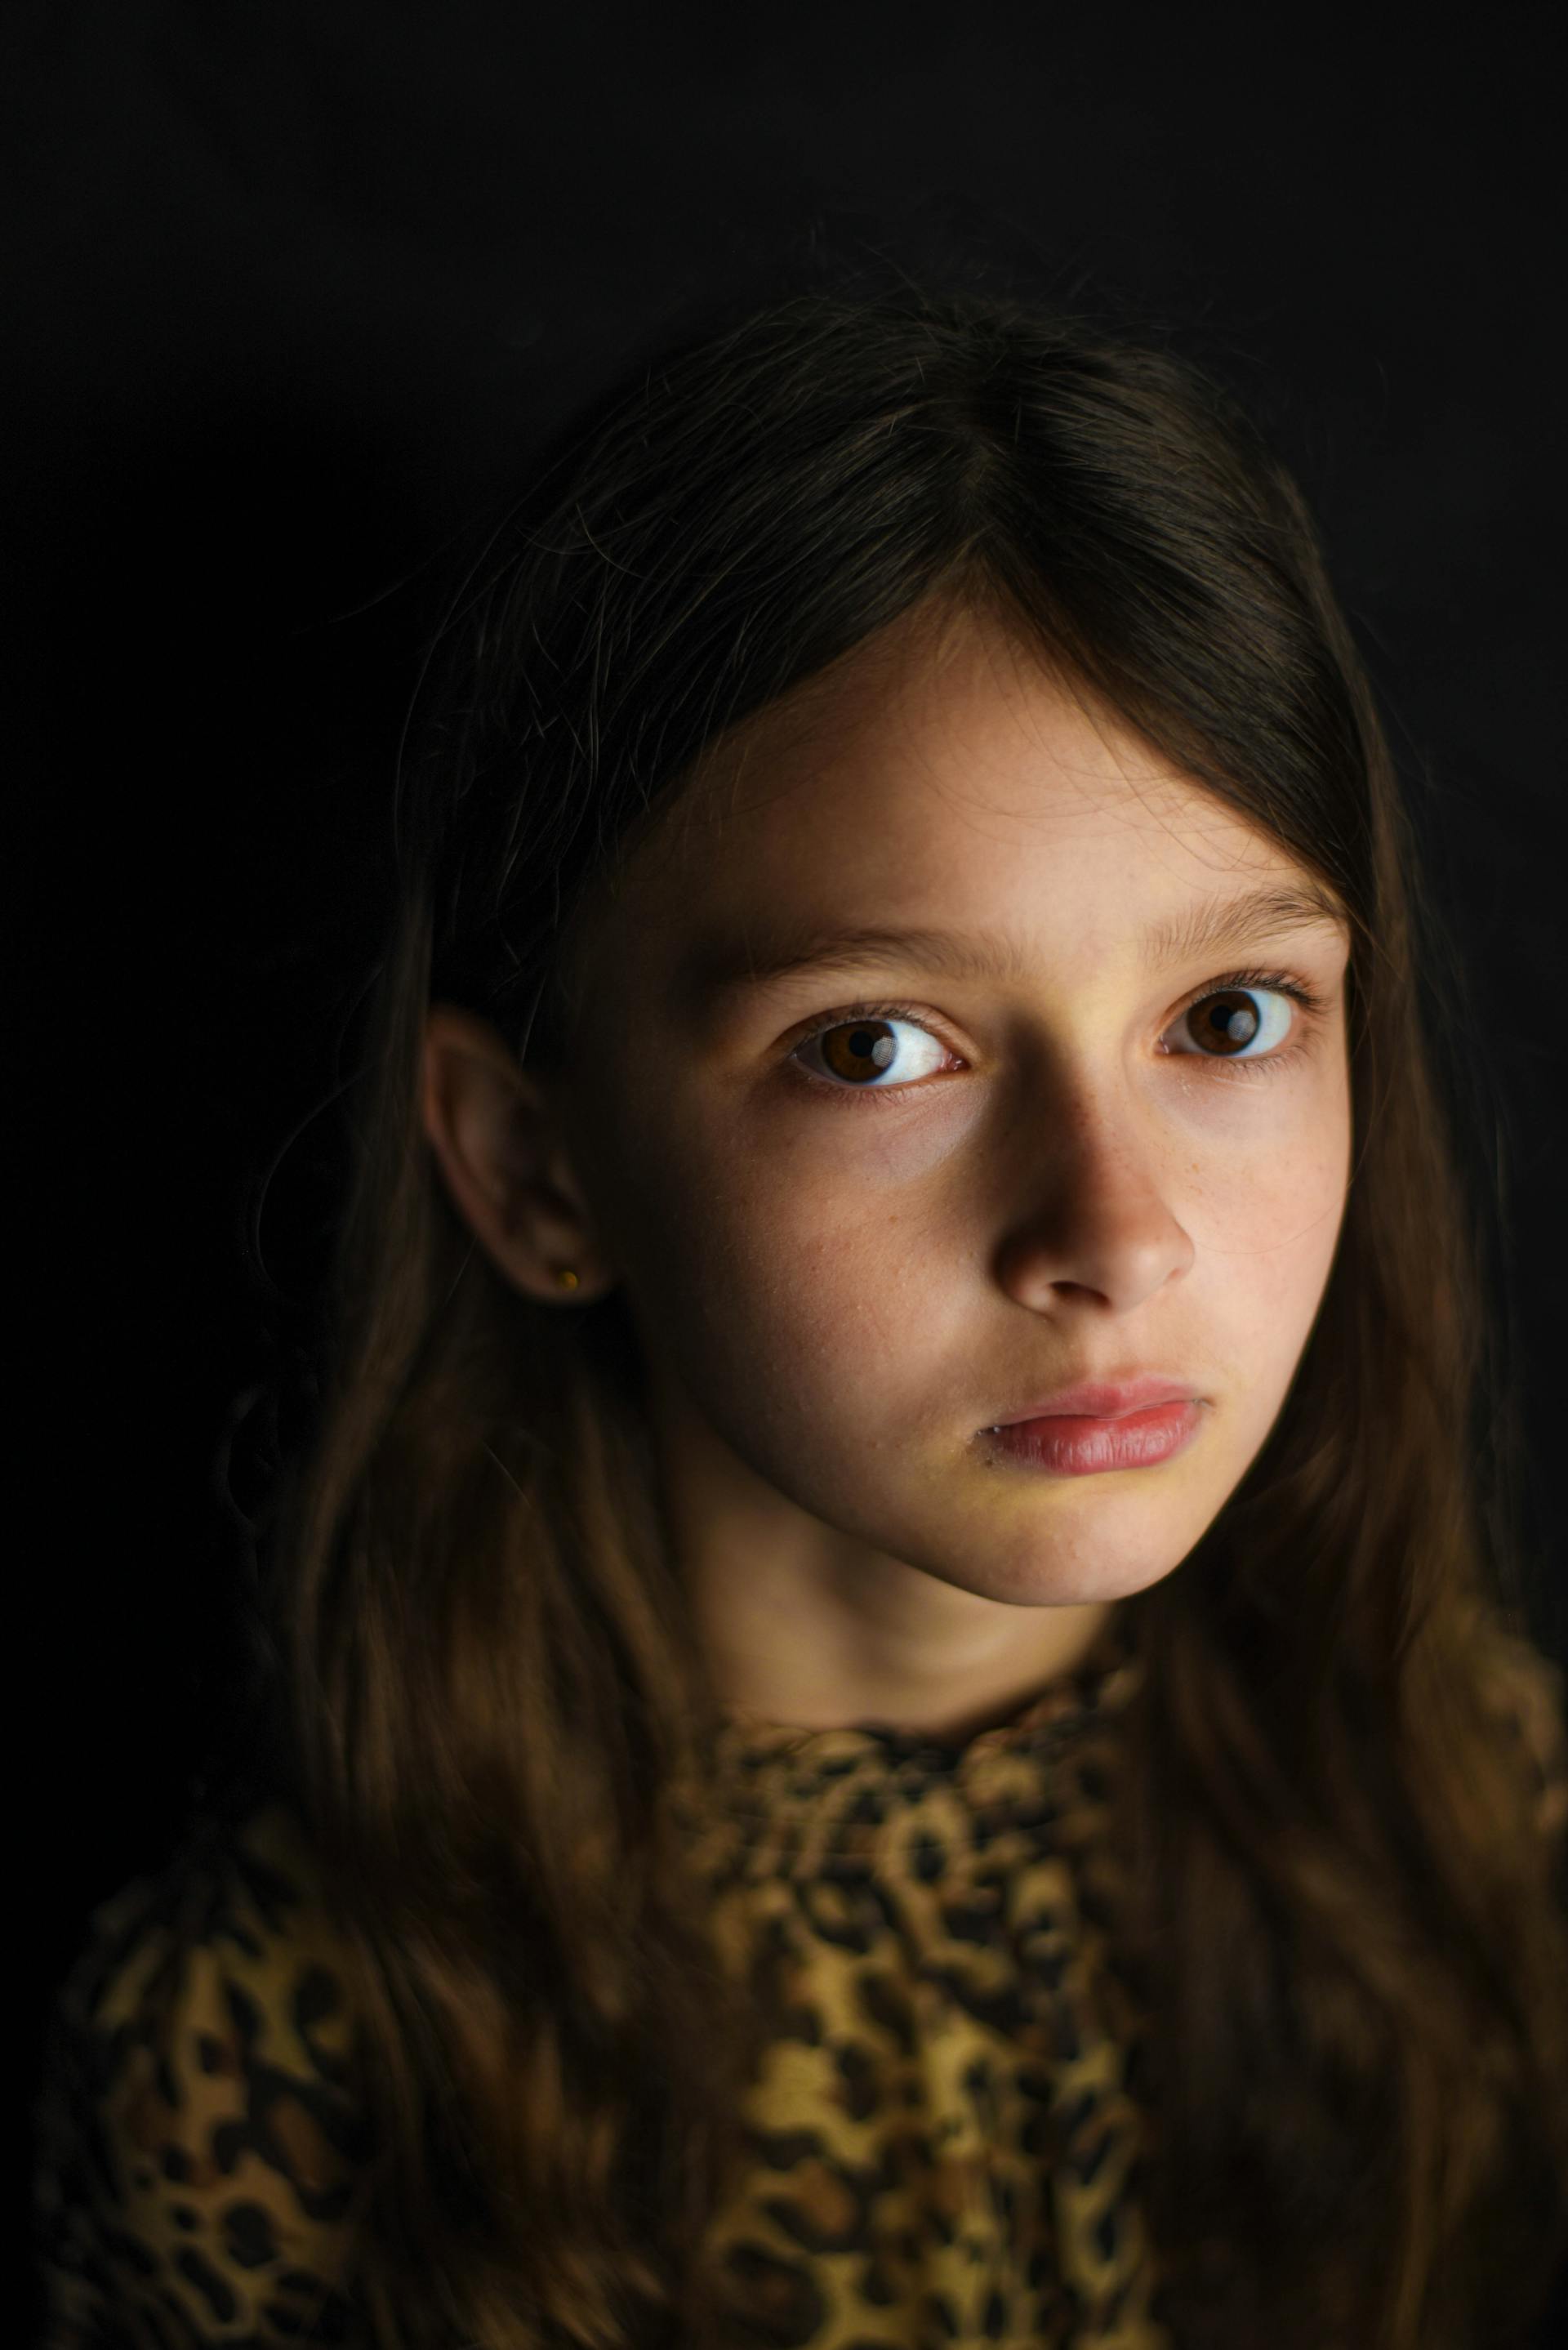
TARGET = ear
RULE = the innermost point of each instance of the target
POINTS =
(498, 1144)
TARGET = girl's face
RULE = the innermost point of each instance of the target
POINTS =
(845, 1266)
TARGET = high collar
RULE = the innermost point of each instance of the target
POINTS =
(811, 1781)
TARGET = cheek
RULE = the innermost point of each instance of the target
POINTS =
(741, 1257)
(774, 1237)
(1265, 1226)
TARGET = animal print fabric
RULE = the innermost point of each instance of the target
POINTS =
(948, 2139)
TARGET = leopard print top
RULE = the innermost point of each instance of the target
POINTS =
(947, 2138)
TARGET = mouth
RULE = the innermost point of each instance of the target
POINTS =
(1080, 1443)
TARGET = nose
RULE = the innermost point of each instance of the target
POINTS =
(1098, 1220)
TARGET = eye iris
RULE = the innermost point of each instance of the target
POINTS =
(1231, 1018)
(859, 1052)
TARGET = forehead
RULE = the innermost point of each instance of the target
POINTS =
(939, 773)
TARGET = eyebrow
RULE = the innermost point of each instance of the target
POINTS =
(722, 968)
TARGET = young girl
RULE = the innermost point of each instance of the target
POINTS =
(901, 1719)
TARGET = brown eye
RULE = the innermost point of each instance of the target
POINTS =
(1231, 1018)
(861, 1052)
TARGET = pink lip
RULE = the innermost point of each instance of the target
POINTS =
(1080, 1444)
(1092, 1401)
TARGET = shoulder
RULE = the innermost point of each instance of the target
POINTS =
(199, 2138)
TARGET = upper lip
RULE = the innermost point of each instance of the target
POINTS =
(1096, 1401)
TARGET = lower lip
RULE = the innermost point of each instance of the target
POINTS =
(1078, 1447)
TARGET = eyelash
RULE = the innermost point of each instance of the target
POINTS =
(1278, 983)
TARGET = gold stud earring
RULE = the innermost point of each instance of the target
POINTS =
(565, 1276)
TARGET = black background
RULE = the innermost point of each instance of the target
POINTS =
(288, 291)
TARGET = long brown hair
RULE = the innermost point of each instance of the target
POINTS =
(1348, 1922)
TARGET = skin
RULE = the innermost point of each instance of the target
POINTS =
(837, 1288)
